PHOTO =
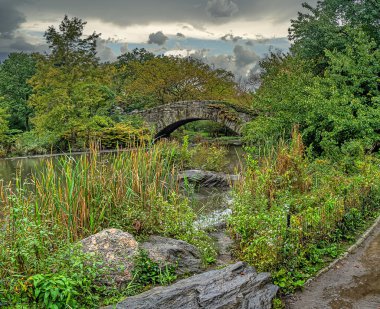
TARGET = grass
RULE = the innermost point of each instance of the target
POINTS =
(292, 213)
(136, 191)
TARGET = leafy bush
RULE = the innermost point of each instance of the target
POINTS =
(288, 210)
(148, 272)
(31, 143)
(134, 190)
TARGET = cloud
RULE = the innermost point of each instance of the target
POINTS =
(145, 12)
(231, 37)
(240, 64)
(12, 40)
(221, 8)
(244, 57)
(124, 48)
(104, 52)
(20, 44)
(157, 38)
(10, 19)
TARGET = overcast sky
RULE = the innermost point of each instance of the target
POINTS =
(232, 34)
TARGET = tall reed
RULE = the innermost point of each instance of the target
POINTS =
(135, 190)
(286, 205)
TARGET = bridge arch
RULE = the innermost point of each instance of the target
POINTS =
(167, 118)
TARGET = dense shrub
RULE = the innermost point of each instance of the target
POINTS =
(288, 210)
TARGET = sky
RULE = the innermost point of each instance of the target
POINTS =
(229, 34)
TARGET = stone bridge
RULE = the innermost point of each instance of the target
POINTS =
(167, 118)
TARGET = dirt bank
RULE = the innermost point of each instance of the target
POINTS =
(353, 282)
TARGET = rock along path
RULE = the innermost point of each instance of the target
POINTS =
(353, 282)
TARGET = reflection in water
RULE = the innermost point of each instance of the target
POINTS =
(205, 200)
(9, 168)
(26, 166)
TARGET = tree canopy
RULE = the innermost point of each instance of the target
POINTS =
(14, 89)
(328, 84)
(67, 96)
(68, 47)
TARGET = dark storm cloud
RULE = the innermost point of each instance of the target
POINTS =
(10, 19)
(221, 8)
(231, 37)
(195, 12)
(244, 57)
(157, 38)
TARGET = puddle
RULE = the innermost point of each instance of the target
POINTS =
(353, 283)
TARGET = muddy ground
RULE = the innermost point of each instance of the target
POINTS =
(353, 283)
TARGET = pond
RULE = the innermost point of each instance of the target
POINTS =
(205, 200)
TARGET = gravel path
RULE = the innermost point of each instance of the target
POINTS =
(353, 283)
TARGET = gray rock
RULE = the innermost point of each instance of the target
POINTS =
(208, 179)
(167, 250)
(116, 250)
(236, 286)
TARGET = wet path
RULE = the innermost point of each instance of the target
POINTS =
(353, 283)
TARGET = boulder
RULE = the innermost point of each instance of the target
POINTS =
(236, 286)
(116, 250)
(172, 251)
(208, 179)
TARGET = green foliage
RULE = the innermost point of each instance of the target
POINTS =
(67, 277)
(136, 191)
(170, 79)
(123, 135)
(71, 105)
(205, 156)
(345, 102)
(208, 157)
(147, 272)
(68, 48)
(289, 211)
(278, 303)
(53, 291)
(72, 94)
(15, 71)
(33, 143)
(4, 128)
(204, 129)
(281, 101)
(325, 27)
(337, 113)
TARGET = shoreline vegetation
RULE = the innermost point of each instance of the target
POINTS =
(137, 192)
(310, 183)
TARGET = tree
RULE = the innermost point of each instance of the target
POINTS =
(71, 104)
(68, 47)
(327, 25)
(72, 93)
(171, 79)
(138, 54)
(15, 90)
(282, 99)
(3, 125)
(346, 101)
(338, 113)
